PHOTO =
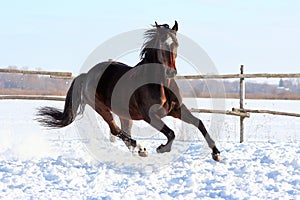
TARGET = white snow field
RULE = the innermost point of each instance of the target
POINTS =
(36, 163)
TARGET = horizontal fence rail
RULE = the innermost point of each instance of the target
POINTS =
(272, 112)
(231, 76)
(32, 97)
(66, 75)
(226, 112)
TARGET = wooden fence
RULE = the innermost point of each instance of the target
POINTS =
(241, 111)
(56, 75)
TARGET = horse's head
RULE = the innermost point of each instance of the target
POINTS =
(161, 47)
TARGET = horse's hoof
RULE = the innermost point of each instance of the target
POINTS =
(139, 150)
(217, 157)
(112, 138)
(143, 152)
(163, 148)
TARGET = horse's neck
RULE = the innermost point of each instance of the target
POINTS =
(149, 71)
(156, 74)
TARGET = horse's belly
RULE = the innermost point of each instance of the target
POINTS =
(127, 114)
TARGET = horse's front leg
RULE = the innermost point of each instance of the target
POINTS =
(170, 136)
(155, 121)
(116, 131)
(185, 115)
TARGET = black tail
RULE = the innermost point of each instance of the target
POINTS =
(53, 117)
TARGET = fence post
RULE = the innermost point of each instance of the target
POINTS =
(242, 97)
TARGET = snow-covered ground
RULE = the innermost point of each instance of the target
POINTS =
(36, 163)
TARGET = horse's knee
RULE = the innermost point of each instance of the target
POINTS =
(170, 135)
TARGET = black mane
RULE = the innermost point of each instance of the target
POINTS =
(150, 44)
(153, 37)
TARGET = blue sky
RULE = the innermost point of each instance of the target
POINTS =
(60, 34)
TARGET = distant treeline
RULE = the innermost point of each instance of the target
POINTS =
(285, 89)
(32, 84)
(44, 85)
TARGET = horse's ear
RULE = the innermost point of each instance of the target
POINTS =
(156, 24)
(175, 27)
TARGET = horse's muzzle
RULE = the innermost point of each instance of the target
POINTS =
(171, 73)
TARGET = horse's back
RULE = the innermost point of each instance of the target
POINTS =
(102, 78)
(101, 70)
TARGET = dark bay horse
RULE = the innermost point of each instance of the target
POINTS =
(146, 92)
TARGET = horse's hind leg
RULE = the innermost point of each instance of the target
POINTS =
(185, 115)
(116, 131)
(126, 125)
